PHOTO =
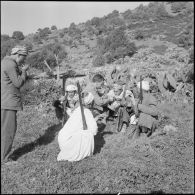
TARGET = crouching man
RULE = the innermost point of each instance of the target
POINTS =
(148, 112)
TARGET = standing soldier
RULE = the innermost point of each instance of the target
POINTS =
(12, 79)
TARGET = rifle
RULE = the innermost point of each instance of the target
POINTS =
(121, 109)
(81, 105)
(136, 109)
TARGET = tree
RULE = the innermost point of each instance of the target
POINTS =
(49, 53)
(53, 27)
(114, 46)
(6, 47)
(5, 37)
(161, 12)
(18, 35)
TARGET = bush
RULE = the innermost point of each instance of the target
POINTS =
(161, 12)
(98, 61)
(6, 47)
(28, 45)
(185, 41)
(178, 6)
(115, 45)
(53, 27)
(18, 35)
(5, 37)
(138, 35)
(37, 39)
(47, 53)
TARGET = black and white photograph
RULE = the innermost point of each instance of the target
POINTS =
(97, 97)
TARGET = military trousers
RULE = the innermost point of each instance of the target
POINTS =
(8, 130)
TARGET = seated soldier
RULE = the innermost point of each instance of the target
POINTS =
(99, 91)
(148, 113)
(116, 97)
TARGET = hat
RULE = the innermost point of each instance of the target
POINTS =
(71, 88)
(88, 99)
(22, 50)
(145, 85)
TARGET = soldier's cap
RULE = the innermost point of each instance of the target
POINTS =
(71, 88)
(22, 50)
(145, 85)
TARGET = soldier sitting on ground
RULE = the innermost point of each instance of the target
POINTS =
(148, 113)
(99, 90)
(116, 97)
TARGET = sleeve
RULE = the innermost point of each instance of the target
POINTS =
(17, 79)
(150, 108)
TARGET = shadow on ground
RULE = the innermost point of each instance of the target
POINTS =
(99, 138)
(45, 139)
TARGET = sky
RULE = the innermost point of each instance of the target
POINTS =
(28, 16)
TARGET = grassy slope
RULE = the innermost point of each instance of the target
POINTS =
(119, 165)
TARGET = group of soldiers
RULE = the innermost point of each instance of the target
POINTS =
(121, 100)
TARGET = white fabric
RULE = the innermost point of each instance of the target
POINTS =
(145, 85)
(74, 142)
(115, 105)
(71, 88)
(133, 120)
(89, 98)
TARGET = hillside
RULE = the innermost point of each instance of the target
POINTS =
(148, 40)
(146, 26)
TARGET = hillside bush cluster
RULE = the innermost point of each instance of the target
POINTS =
(41, 91)
(48, 53)
(152, 11)
(115, 46)
(18, 35)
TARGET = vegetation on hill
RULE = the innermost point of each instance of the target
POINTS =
(149, 39)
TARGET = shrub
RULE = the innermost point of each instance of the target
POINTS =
(99, 61)
(161, 12)
(115, 45)
(5, 37)
(178, 6)
(47, 53)
(18, 35)
(6, 47)
(138, 35)
(37, 39)
(53, 27)
(95, 21)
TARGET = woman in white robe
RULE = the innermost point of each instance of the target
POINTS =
(74, 142)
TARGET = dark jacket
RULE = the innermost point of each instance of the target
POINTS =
(148, 111)
(11, 81)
